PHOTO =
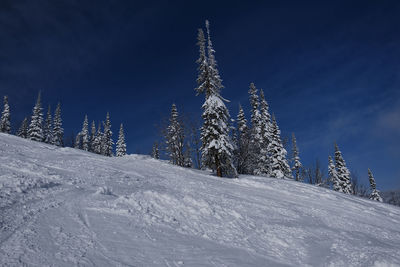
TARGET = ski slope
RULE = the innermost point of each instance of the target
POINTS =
(66, 207)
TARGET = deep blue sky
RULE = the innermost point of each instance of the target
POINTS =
(330, 69)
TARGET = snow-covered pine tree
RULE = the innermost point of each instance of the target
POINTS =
(279, 167)
(333, 176)
(121, 145)
(263, 167)
(92, 137)
(23, 129)
(85, 134)
(5, 124)
(217, 148)
(58, 131)
(175, 138)
(255, 131)
(78, 141)
(188, 162)
(374, 192)
(48, 128)
(243, 142)
(296, 159)
(107, 138)
(98, 141)
(155, 153)
(343, 173)
(35, 131)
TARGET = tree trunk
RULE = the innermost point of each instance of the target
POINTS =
(218, 166)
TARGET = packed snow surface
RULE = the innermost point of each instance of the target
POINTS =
(66, 207)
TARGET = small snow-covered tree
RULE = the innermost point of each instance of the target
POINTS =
(175, 138)
(374, 192)
(188, 162)
(23, 129)
(121, 145)
(58, 131)
(92, 136)
(5, 124)
(35, 131)
(85, 134)
(279, 167)
(98, 141)
(78, 141)
(343, 173)
(48, 128)
(217, 147)
(155, 153)
(243, 141)
(296, 159)
(333, 177)
(107, 138)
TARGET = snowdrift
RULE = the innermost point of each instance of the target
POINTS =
(66, 207)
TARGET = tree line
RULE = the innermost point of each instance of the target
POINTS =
(50, 130)
(231, 147)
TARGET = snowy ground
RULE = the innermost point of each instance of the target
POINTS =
(65, 207)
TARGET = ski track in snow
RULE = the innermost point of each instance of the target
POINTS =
(66, 207)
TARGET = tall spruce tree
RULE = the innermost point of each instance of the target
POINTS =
(5, 123)
(279, 167)
(374, 192)
(35, 131)
(85, 134)
(333, 176)
(217, 148)
(107, 138)
(243, 165)
(121, 145)
(343, 173)
(175, 138)
(58, 131)
(296, 159)
(255, 131)
(263, 167)
(48, 128)
(23, 129)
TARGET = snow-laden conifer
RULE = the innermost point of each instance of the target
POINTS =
(92, 136)
(374, 192)
(78, 141)
(58, 131)
(35, 131)
(333, 176)
(243, 165)
(121, 145)
(85, 134)
(175, 138)
(107, 138)
(343, 173)
(5, 123)
(263, 167)
(155, 153)
(279, 167)
(255, 130)
(98, 141)
(217, 148)
(188, 162)
(23, 129)
(48, 128)
(296, 159)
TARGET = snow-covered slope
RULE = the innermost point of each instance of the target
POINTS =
(57, 210)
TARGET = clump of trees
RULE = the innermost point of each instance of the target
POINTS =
(50, 130)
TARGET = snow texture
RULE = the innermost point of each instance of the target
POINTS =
(68, 207)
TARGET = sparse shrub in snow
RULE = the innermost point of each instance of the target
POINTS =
(104, 190)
